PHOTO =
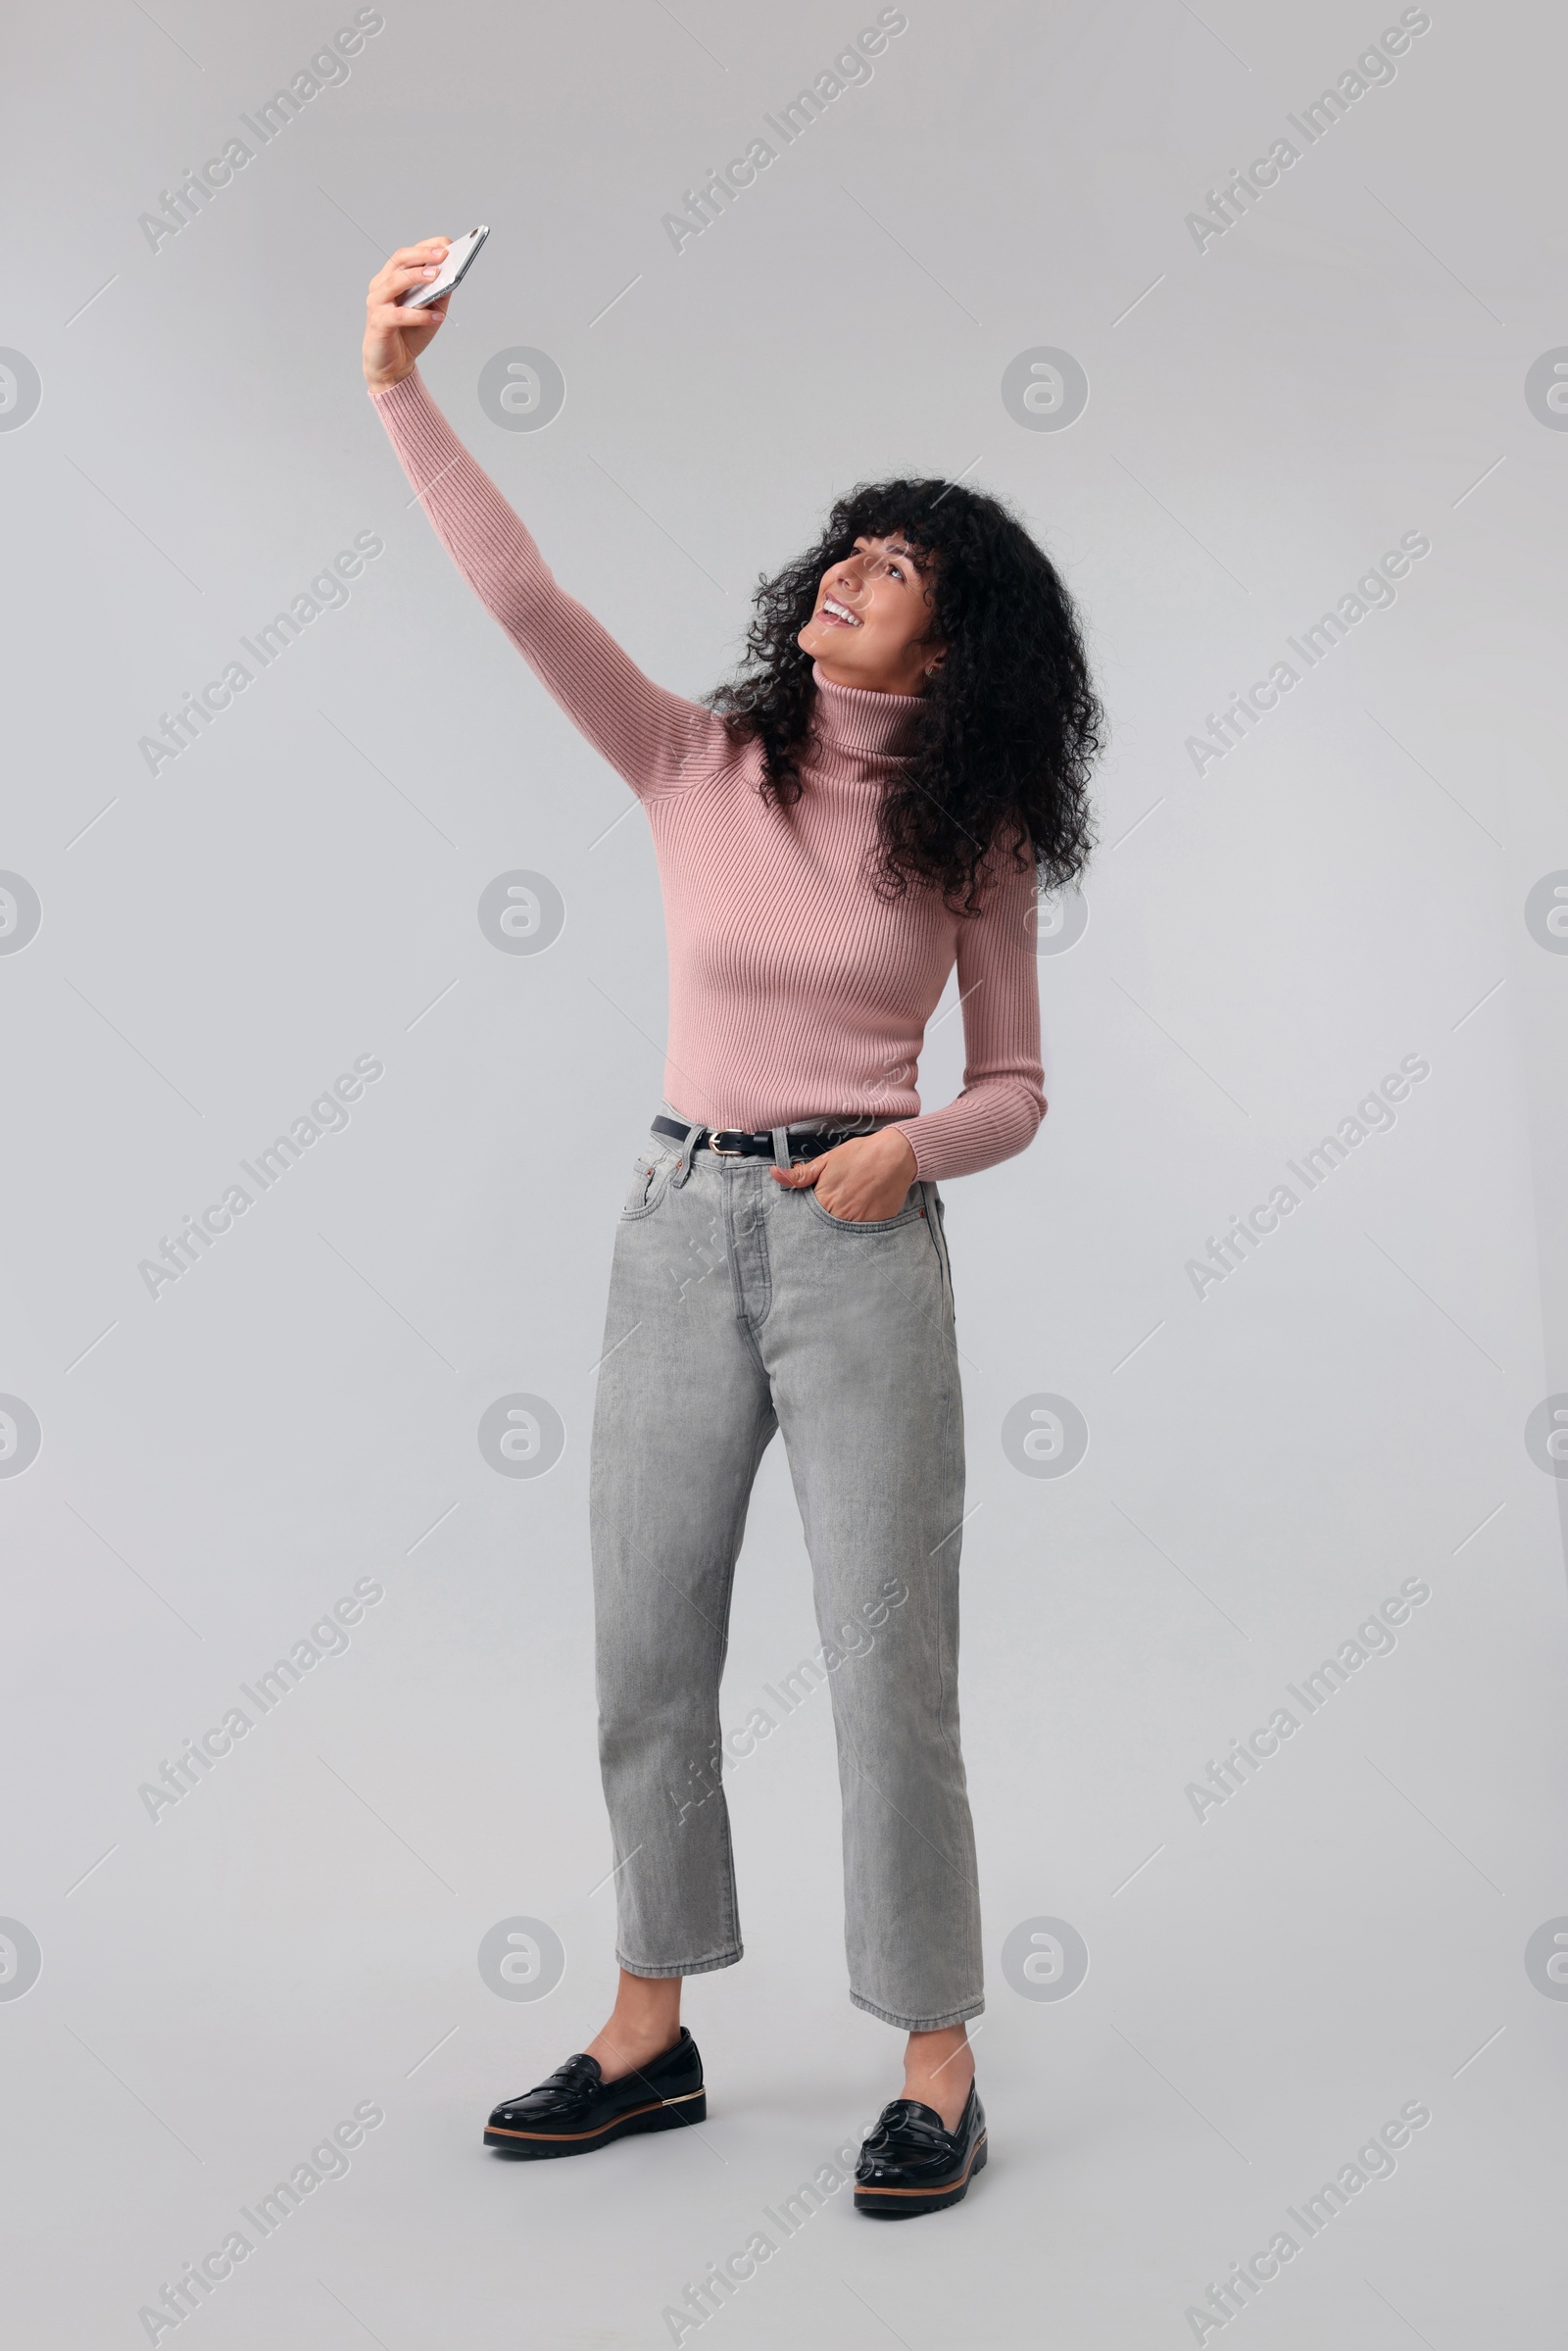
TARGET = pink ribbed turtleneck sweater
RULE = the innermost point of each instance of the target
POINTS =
(793, 990)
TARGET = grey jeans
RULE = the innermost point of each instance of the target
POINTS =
(738, 1308)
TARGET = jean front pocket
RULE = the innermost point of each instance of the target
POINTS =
(938, 1226)
(652, 1170)
(911, 1212)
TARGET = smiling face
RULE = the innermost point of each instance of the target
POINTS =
(874, 609)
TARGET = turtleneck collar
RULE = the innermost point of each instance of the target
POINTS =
(861, 731)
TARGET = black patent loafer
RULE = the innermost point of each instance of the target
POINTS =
(911, 2162)
(578, 2110)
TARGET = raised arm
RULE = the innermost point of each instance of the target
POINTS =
(656, 740)
(1002, 1101)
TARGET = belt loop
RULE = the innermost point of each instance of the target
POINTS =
(781, 1147)
(688, 1153)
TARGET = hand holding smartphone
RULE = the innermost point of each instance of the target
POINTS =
(460, 260)
(408, 301)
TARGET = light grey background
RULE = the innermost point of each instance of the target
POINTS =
(1265, 1987)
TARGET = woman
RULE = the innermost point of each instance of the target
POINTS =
(903, 763)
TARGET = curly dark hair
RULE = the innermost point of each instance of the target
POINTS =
(1011, 726)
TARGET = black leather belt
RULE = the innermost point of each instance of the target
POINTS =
(805, 1142)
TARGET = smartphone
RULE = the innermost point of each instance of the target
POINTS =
(454, 269)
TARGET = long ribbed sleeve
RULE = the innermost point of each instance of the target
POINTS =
(1002, 1101)
(654, 739)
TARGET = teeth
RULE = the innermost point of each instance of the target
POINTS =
(831, 604)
